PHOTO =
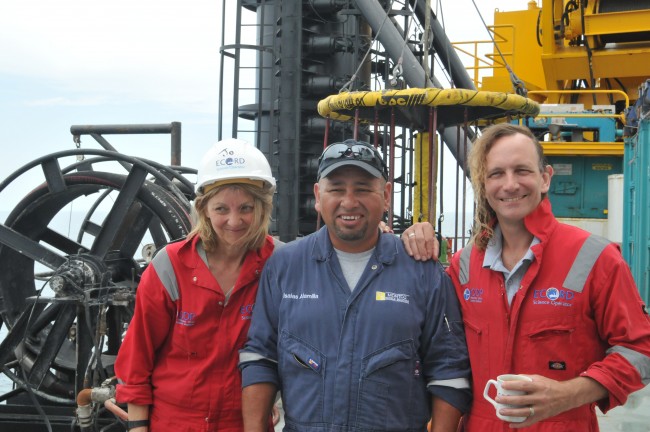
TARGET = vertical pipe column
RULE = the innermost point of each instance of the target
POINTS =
(464, 196)
(289, 119)
(391, 167)
(456, 237)
(176, 143)
(433, 164)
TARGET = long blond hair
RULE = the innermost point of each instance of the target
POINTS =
(484, 214)
(259, 228)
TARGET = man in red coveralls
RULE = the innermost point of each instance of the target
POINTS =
(540, 297)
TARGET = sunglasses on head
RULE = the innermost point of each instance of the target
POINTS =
(353, 150)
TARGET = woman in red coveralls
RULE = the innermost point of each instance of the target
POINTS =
(177, 368)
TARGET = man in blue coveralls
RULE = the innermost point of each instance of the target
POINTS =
(356, 334)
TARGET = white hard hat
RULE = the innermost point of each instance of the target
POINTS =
(233, 160)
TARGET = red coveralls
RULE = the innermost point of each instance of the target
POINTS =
(560, 324)
(181, 350)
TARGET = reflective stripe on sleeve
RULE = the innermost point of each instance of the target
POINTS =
(457, 383)
(636, 359)
(463, 271)
(245, 357)
(584, 262)
(163, 266)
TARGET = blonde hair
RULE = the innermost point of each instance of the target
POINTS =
(476, 161)
(259, 228)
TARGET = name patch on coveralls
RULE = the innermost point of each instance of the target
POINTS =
(299, 297)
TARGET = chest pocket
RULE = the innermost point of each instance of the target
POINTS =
(554, 350)
(303, 382)
(388, 378)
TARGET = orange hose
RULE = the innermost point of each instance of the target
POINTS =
(83, 398)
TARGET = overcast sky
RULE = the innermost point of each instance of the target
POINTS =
(128, 62)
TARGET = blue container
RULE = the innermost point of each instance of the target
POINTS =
(579, 185)
(636, 193)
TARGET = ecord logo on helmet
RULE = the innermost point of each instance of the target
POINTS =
(230, 161)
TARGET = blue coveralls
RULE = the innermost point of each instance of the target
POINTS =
(357, 361)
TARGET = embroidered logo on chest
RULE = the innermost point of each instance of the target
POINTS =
(473, 295)
(247, 311)
(389, 296)
(553, 297)
(184, 318)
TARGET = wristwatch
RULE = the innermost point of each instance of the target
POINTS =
(132, 424)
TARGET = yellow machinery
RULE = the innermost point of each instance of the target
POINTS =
(588, 63)
(572, 45)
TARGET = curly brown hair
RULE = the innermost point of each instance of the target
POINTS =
(484, 214)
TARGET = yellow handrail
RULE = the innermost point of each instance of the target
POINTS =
(496, 62)
(620, 116)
